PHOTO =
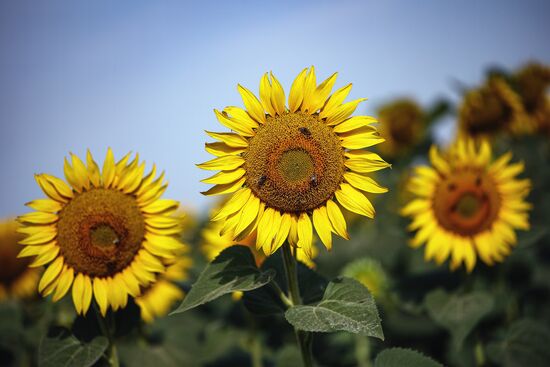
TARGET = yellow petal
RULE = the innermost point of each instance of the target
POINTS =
(305, 234)
(296, 95)
(39, 238)
(276, 218)
(80, 173)
(265, 94)
(100, 295)
(353, 140)
(50, 274)
(281, 232)
(65, 282)
(322, 226)
(354, 123)
(59, 185)
(234, 204)
(38, 218)
(263, 240)
(277, 96)
(253, 106)
(160, 206)
(45, 257)
(225, 188)
(108, 173)
(364, 183)
(354, 201)
(225, 120)
(322, 92)
(248, 214)
(439, 163)
(45, 205)
(226, 163)
(220, 149)
(132, 284)
(310, 84)
(335, 101)
(225, 177)
(231, 139)
(93, 170)
(337, 219)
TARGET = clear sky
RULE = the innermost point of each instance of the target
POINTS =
(145, 75)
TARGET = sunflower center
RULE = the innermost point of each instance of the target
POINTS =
(467, 203)
(100, 231)
(294, 163)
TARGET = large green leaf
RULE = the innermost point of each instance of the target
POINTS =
(347, 305)
(458, 313)
(233, 270)
(60, 348)
(399, 357)
(525, 344)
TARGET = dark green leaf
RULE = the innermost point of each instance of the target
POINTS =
(233, 270)
(347, 305)
(399, 357)
(459, 314)
(60, 348)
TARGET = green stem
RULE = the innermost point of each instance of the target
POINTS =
(304, 338)
(112, 354)
(362, 351)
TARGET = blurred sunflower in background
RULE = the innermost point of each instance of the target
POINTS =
(490, 109)
(106, 233)
(532, 82)
(17, 279)
(371, 274)
(287, 167)
(402, 125)
(157, 299)
(466, 205)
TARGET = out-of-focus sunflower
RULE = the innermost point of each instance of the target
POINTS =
(105, 233)
(402, 125)
(287, 167)
(157, 299)
(532, 82)
(490, 109)
(214, 242)
(371, 274)
(467, 205)
(17, 280)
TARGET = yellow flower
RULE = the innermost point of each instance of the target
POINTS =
(105, 233)
(17, 280)
(157, 299)
(466, 205)
(371, 274)
(532, 82)
(402, 125)
(491, 109)
(288, 167)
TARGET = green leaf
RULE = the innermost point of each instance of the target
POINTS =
(265, 301)
(347, 305)
(458, 313)
(525, 344)
(60, 348)
(233, 270)
(399, 357)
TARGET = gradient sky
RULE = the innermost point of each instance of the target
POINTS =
(144, 76)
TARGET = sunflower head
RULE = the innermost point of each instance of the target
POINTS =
(467, 205)
(288, 166)
(17, 280)
(490, 109)
(157, 298)
(532, 82)
(104, 233)
(402, 125)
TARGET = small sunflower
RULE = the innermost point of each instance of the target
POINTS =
(157, 299)
(532, 82)
(17, 280)
(467, 205)
(287, 167)
(490, 109)
(371, 274)
(402, 125)
(105, 233)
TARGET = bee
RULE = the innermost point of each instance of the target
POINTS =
(305, 131)
(261, 180)
(313, 180)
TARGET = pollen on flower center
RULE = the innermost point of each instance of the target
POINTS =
(466, 203)
(294, 163)
(100, 231)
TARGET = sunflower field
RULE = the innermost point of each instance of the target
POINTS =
(338, 233)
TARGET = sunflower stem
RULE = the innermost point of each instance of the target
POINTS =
(108, 332)
(304, 338)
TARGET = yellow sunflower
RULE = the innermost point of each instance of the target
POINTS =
(402, 125)
(288, 167)
(491, 109)
(466, 205)
(17, 280)
(157, 299)
(532, 82)
(105, 233)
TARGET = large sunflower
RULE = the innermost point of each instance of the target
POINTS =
(467, 205)
(287, 167)
(157, 299)
(17, 279)
(105, 235)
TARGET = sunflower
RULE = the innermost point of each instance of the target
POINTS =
(491, 109)
(371, 274)
(466, 205)
(157, 299)
(17, 280)
(532, 82)
(288, 167)
(402, 125)
(105, 234)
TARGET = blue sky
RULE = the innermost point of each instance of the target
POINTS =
(144, 76)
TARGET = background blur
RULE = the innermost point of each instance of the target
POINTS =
(144, 76)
